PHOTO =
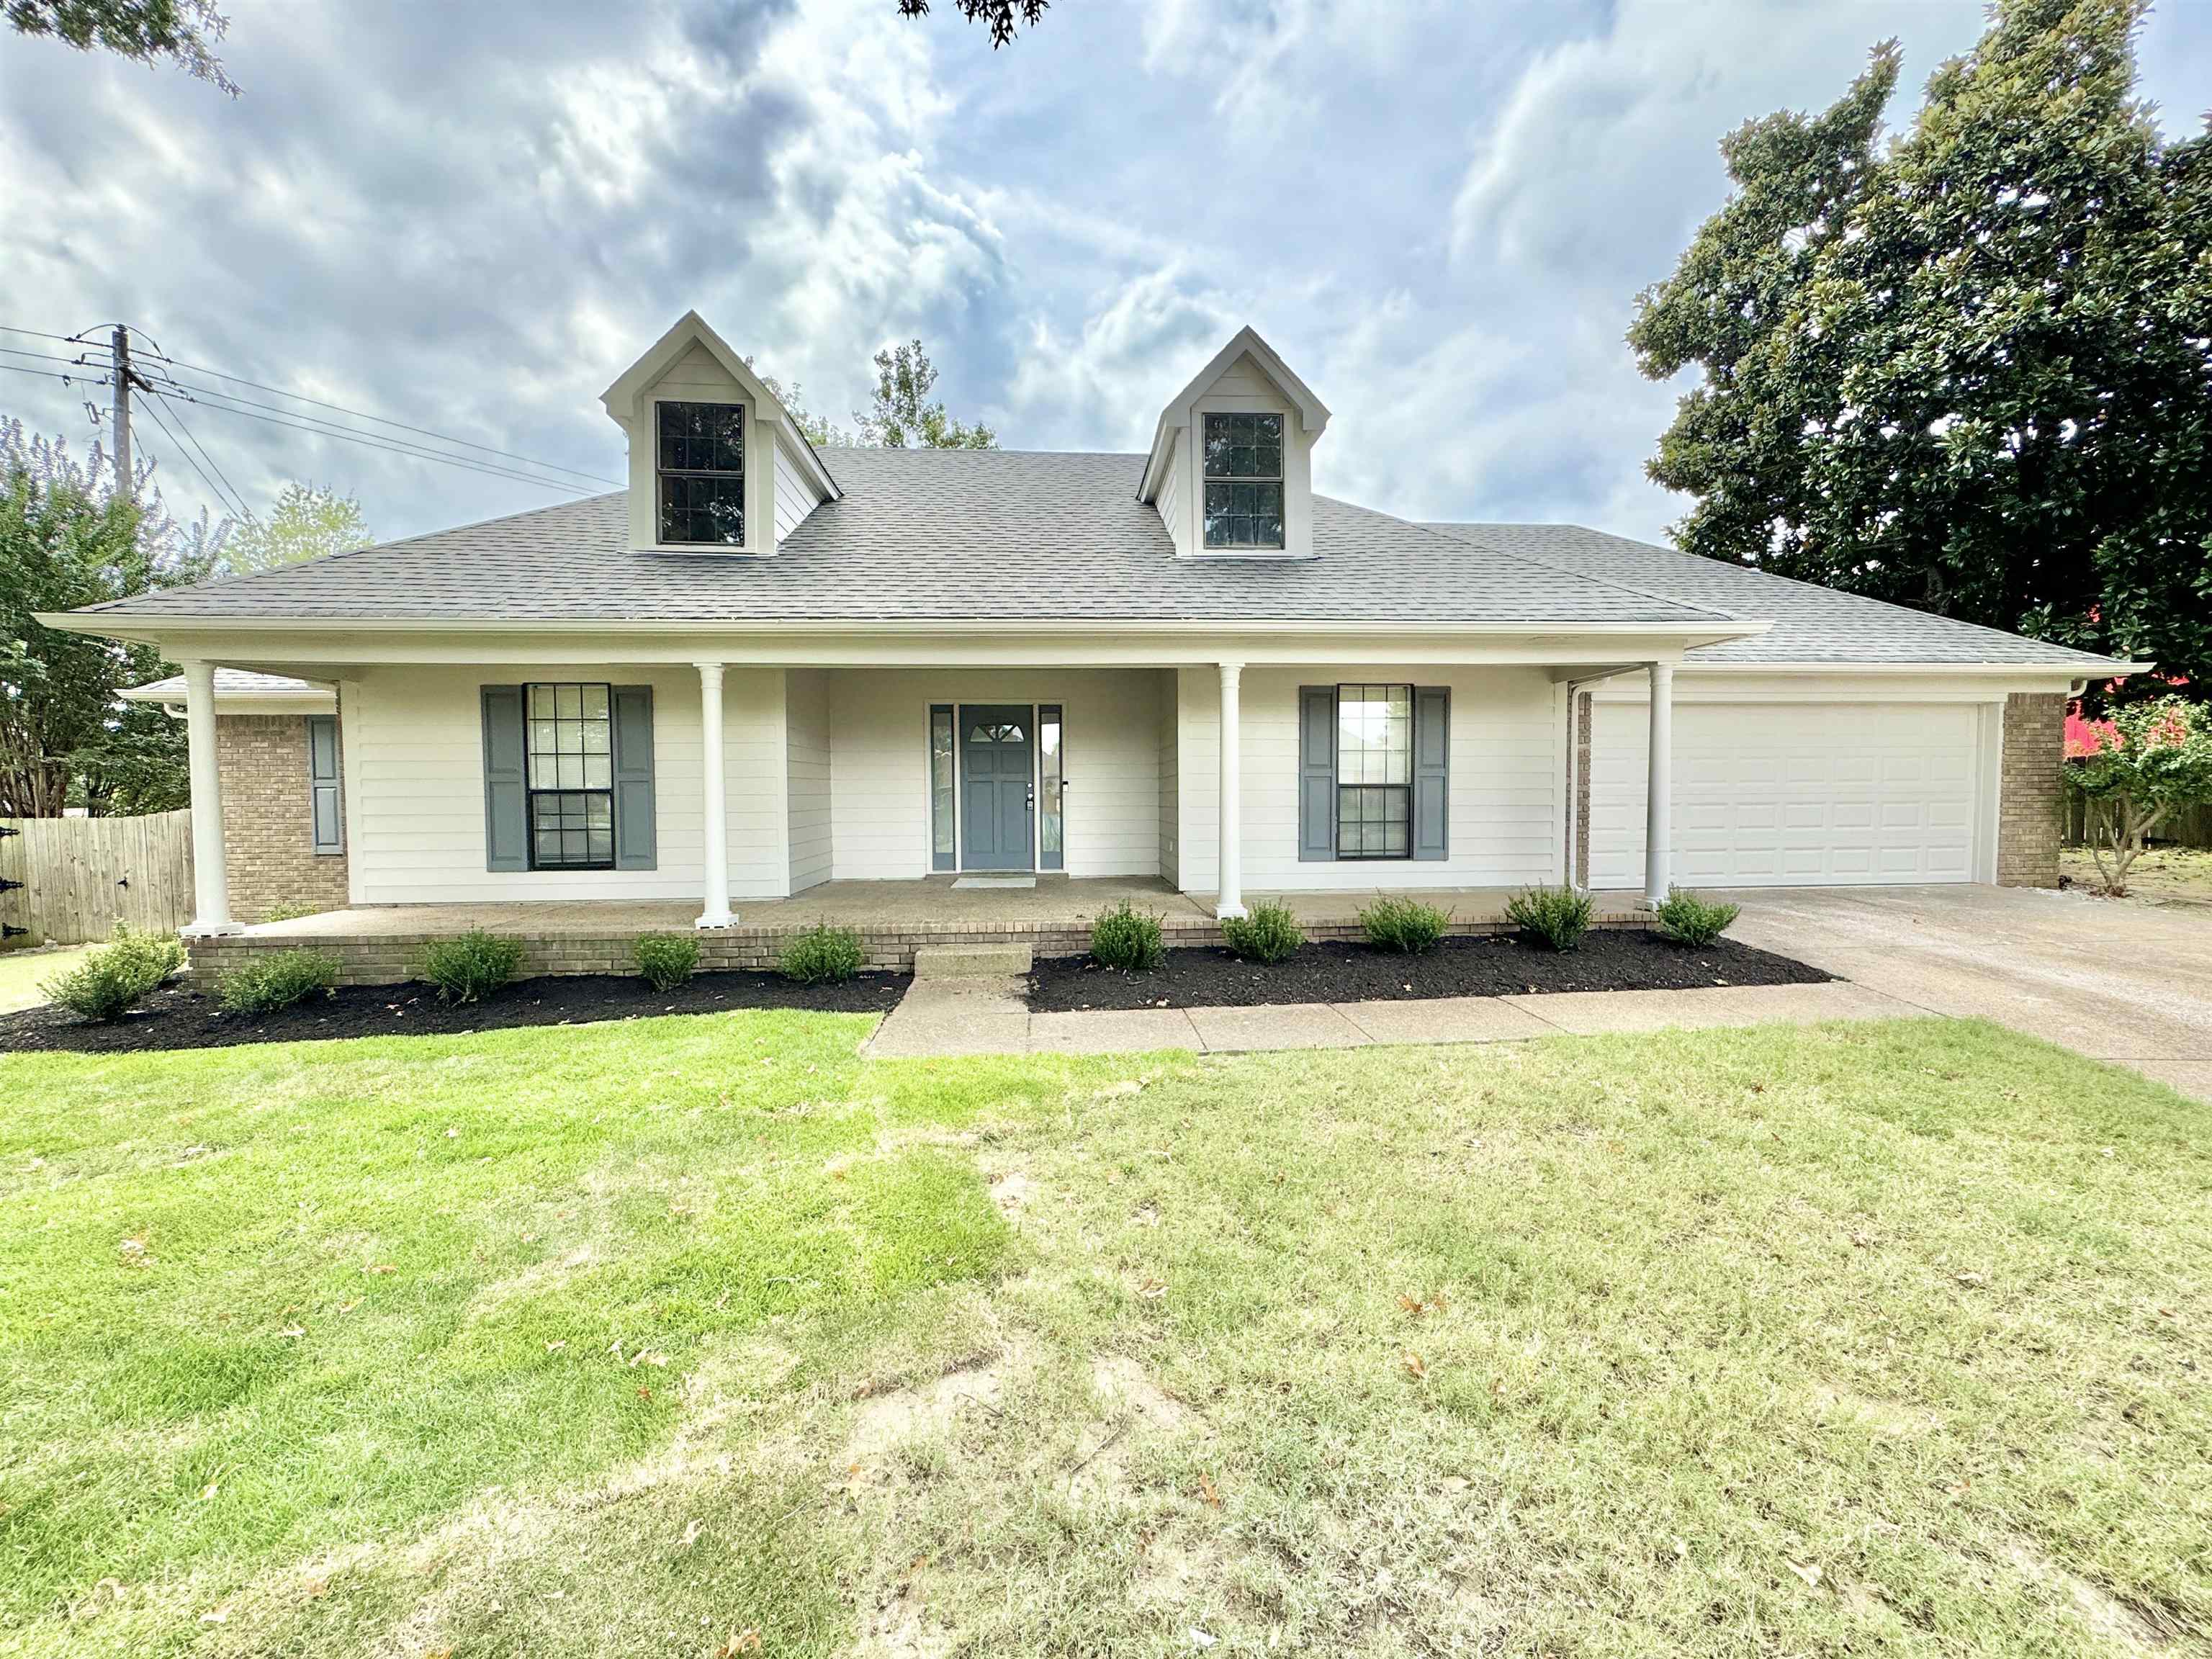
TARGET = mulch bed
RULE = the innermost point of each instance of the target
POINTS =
(180, 1018)
(1485, 965)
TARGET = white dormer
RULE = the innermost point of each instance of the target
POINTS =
(716, 465)
(1231, 463)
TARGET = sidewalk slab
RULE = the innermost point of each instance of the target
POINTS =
(1277, 1025)
(1592, 1013)
(1808, 1004)
(1112, 1031)
(956, 1017)
(1445, 1019)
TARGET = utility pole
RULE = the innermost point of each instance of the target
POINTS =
(118, 346)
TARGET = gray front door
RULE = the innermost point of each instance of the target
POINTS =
(996, 803)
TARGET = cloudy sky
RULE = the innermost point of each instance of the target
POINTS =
(469, 218)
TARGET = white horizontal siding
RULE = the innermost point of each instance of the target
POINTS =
(416, 736)
(806, 724)
(880, 762)
(1507, 761)
(1171, 501)
(795, 494)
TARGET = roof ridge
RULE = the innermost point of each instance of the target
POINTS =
(1679, 604)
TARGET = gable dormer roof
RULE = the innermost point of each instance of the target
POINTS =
(1313, 414)
(691, 330)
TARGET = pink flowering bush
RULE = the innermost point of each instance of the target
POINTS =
(2133, 770)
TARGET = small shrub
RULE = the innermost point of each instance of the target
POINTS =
(1270, 933)
(1558, 916)
(472, 965)
(1406, 925)
(821, 953)
(114, 979)
(290, 910)
(1689, 919)
(1127, 939)
(277, 979)
(667, 960)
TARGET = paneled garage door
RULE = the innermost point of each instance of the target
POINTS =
(1793, 794)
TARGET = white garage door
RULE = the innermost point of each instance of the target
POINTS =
(1793, 794)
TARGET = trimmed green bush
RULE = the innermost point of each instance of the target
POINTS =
(667, 960)
(277, 979)
(1406, 925)
(821, 953)
(472, 965)
(1558, 916)
(1689, 919)
(1269, 933)
(114, 979)
(1127, 938)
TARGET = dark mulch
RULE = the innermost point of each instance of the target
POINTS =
(179, 1017)
(1486, 965)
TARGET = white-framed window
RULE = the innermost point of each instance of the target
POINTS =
(1373, 771)
(1242, 456)
(571, 779)
(699, 463)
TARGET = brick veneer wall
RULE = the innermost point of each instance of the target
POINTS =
(2027, 789)
(1582, 777)
(267, 828)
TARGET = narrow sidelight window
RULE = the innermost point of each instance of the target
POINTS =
(1051, 854)
(571, 777)
(1373, 771)
(701, 458)
(942, 855)
(1244, 481)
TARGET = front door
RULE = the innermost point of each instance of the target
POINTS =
(997, 801)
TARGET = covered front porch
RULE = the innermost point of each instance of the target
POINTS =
(382, 943)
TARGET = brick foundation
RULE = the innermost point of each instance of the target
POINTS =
(267, 828)
(2028, 789)
(389, 959)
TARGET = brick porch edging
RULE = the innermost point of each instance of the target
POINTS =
(391, 958)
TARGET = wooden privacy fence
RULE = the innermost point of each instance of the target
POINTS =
(2190, 827)
(68, 880)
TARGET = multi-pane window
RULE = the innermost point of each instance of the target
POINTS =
(700, 455)
(571, 777)
(1244, 480)
(1373, 771)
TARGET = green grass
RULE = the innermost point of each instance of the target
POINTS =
(1873, 1338)
(23, 972)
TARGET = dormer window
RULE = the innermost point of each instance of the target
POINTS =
(1243, 482)
(701, 459)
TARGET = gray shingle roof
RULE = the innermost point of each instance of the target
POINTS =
(228, 683)
(1811, 623)
(950, 534)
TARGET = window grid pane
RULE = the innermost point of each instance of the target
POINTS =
(940, 785)
(1373, 771)
(702, 461)
(570, 766)
(1244, 502)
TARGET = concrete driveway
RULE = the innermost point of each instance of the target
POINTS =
(2112, 979)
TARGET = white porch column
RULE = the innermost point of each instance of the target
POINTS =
(210, 869)
(1230, 900)
(1659, 787)
(716, 911)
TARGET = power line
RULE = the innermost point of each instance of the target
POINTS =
(237, 506)
(424, 431)
(192, 438)
(412, 454)
(50, 375)
(46, 357)
(40, 334)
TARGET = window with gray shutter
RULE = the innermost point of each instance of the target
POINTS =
(325, 820)
(633, 834)
(507, 795)
(1374, 771)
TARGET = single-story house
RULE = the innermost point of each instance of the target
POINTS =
(765, 666)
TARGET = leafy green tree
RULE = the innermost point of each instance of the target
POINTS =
(1000, 14)
(818, 428)
(181, 32)
(307, 521)
(902, 417)
(2149, 759)
(1970, 371)
(70, 537)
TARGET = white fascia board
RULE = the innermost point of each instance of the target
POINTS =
(620, 398)
(1313, 414)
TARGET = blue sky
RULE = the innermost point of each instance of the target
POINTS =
(471, 217)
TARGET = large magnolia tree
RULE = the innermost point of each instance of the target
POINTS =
(1971, 370)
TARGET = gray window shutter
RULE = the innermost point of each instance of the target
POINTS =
(633, 711)
(327, 823)
(1432, 772)
(1316, 773)
(506, 797)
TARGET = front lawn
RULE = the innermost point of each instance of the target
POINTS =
(704, 1334)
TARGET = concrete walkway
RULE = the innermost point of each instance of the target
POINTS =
(988, 1017)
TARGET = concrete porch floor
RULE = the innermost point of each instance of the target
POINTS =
(930, 901)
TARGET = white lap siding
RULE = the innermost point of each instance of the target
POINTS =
(879, 763)
(806, 719)
(414, 752)
(1507, 793)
